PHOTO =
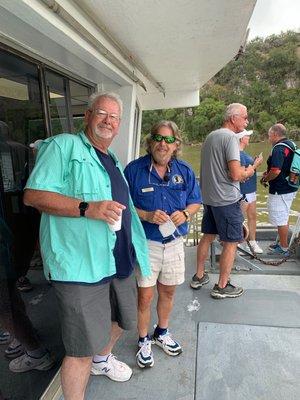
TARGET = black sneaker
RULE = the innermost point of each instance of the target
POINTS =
(24, 284)
(229, 291)
(197, 283)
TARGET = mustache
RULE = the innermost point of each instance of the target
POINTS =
(105, 126)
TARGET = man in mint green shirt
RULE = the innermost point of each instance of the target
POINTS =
(79, 187)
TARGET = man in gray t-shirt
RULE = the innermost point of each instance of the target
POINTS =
(220, 175)
(220, 147)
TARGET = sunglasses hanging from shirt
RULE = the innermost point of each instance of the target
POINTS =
(166, 178)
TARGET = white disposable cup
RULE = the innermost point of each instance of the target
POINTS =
(116, 226)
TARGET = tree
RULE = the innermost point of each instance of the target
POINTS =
(265, 78)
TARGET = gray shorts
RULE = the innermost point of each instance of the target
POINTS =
(86, 313)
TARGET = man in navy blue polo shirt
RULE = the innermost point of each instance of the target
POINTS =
(165, 193)
(281, 194)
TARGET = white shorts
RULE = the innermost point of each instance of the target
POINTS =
(279, 206)
(167, 264)
(250, 197)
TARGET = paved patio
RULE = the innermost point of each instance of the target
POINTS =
(237, 349)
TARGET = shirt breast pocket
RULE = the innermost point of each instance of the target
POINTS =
(145, 201)
(178, 197)
(84, 177)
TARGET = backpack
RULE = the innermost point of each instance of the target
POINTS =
(294, 176)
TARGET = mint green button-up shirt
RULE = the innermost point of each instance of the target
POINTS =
(79, 249)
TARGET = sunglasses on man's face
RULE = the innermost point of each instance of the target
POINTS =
(167, 139)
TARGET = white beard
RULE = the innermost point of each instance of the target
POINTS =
(102, 133)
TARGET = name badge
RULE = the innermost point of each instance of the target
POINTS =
(146, 190)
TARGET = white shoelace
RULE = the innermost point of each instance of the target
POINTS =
(145, 349)
(167, 339)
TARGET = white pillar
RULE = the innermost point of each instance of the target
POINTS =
(123, 143)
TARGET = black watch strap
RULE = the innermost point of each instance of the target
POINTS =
(83, 206)
(187, 215)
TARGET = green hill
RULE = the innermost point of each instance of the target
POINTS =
(265, 78)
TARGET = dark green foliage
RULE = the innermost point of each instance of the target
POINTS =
(265, 78)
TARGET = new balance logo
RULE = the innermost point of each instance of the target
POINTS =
(105, 369)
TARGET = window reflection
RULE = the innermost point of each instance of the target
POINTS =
(56, 88)
(26, 298)
(79, 103)
(28, 310)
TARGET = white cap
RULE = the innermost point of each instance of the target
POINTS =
(240, 135)
(36, 144)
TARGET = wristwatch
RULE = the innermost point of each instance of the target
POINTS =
(83, 206)
(187, 215)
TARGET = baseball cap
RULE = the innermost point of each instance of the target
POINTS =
(240, 135)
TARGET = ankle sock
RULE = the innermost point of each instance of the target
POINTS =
(97, 358)
(143, 339)
(160, 331)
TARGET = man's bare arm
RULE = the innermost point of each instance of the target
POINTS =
(269, 176)
(58, 204)
(178, 217)
(239, 173)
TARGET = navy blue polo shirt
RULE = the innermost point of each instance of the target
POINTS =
(250, 185)
(123, 251)
(281, 159)
(149, 192)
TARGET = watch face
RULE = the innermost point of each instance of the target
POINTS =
(83, 206)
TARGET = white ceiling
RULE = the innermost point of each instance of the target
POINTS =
(181, 43)
(170, 47)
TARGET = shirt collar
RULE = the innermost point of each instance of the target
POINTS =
(87, 143)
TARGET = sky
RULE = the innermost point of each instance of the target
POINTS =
(273, 16)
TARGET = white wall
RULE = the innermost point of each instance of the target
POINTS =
(123, 143)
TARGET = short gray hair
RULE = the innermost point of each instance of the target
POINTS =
(233, 109)
(279, 130)
(108, 95)
(155, 129)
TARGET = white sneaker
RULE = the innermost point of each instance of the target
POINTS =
(144, 357)
(255, 247)
(112, 368)
(27, 363)
(168, 344)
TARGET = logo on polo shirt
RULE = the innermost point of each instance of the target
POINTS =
(177, 179)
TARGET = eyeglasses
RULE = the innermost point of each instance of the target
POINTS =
(168, 139)
(103, 114)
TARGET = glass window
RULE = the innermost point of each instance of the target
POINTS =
(57, 96)
(27, 300)
(79, 104)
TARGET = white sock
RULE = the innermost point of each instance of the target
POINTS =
(98, 358)
(284, 248)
